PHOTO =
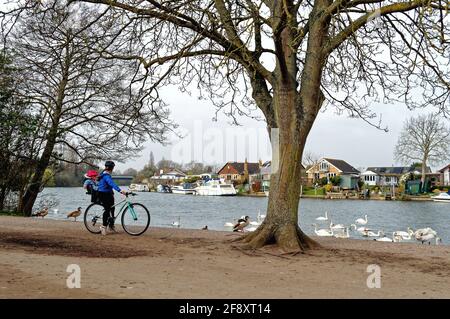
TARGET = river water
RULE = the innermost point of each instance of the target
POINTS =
(197, 211)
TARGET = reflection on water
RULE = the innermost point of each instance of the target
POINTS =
(198, 211)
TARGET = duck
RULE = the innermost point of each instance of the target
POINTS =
(323, 217)
(241, 224)
(205, 228)
(322, 232)
(74, 214)
(41, 213)
(361, 221)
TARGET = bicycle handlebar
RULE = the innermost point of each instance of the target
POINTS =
(130, 193)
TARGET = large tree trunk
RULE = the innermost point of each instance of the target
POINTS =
(33, 189)
(424, 172)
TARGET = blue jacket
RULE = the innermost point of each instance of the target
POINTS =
(106, 183)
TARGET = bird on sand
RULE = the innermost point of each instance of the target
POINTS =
(74, 214)
(241, 224)
(205, 228)
(41, 213)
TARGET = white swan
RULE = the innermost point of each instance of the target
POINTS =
(369, 233)
(260, 217)
(428, 238)
(177, 223)
(423, 231)
(343, 235)
(229, 224)
(322, 232)
(404, 235)
(323, 218)
(384, 239)
(361, 230)
(251, 228)
(336, 226)
(362, 221)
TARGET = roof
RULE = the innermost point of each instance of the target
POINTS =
(394, 170)
(342, 166)
(253, 168)
(267, 170)
(169, 171)
(446, 167)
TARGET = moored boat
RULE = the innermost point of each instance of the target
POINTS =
(442, 197)
(215, 188)
(185, 189)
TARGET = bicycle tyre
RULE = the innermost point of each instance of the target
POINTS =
(93, 228)
(144, 227)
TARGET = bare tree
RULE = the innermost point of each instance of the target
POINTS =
(290, 59)
(425, 139)
(86, 103)
(310, 159)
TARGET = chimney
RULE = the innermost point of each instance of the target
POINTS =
(246, 170)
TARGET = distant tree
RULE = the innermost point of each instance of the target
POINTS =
(151, 163)
(310, 159)
(88, 104)
(426, 139)
(130, 172)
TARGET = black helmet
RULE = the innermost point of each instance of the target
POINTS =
(109, 164)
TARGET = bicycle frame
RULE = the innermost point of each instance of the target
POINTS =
(126, 204)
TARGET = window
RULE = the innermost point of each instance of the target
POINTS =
(228, 177)
(323, 166)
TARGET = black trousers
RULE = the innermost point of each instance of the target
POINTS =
(107, 201)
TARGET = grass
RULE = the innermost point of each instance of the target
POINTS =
(10, 213)
(312, 192)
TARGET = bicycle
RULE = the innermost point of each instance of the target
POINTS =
(135, 216)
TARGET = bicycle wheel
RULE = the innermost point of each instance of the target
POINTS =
(93, 218)
(135, 219)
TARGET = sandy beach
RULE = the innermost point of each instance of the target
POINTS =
(180, 263)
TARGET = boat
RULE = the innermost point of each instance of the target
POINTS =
(215, 188)
(139, 188)
(185, 189)
(442, 197)
(163, 189)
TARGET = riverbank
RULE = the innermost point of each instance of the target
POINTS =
(340, 196)
(182, 263)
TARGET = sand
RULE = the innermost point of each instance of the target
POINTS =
(179, 263)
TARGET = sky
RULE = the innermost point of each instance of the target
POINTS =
(216, 142)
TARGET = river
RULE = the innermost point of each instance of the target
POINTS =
(197, 211)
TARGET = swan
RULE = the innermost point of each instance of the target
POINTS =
(428, 238)
(228, 225)
(369, 233)
(260, 217)
(423, 231)
(252, 228)
(336, 226)
(343, 235)
(384, 238)
(177, 223)
(361, 230)
(323, 218)
(362, 221)
(404, 235)
(322, 232)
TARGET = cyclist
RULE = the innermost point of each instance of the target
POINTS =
(106, 196)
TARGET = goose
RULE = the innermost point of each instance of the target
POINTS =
(322, 232)
(41, 213)
(241, 224)
(322, 217)
(362, 221)
(74, 214)
(343, 235)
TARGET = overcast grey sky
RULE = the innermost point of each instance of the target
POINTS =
(334, 136)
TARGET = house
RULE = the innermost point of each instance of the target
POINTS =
(238, 172)
(169, 175)
(388, 176)
(445, 175)
(329, 168)
(266, 172)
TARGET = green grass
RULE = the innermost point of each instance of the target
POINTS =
(10, 213)
(312, 192)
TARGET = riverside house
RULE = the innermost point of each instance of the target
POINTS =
(445, 175)
(238, 172)
(329, 167)
(388, 176)
(168, 175)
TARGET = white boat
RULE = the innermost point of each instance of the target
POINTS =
(215, 188)
(185, 189)
(163, 189)
(442, 197)
(139, 188)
